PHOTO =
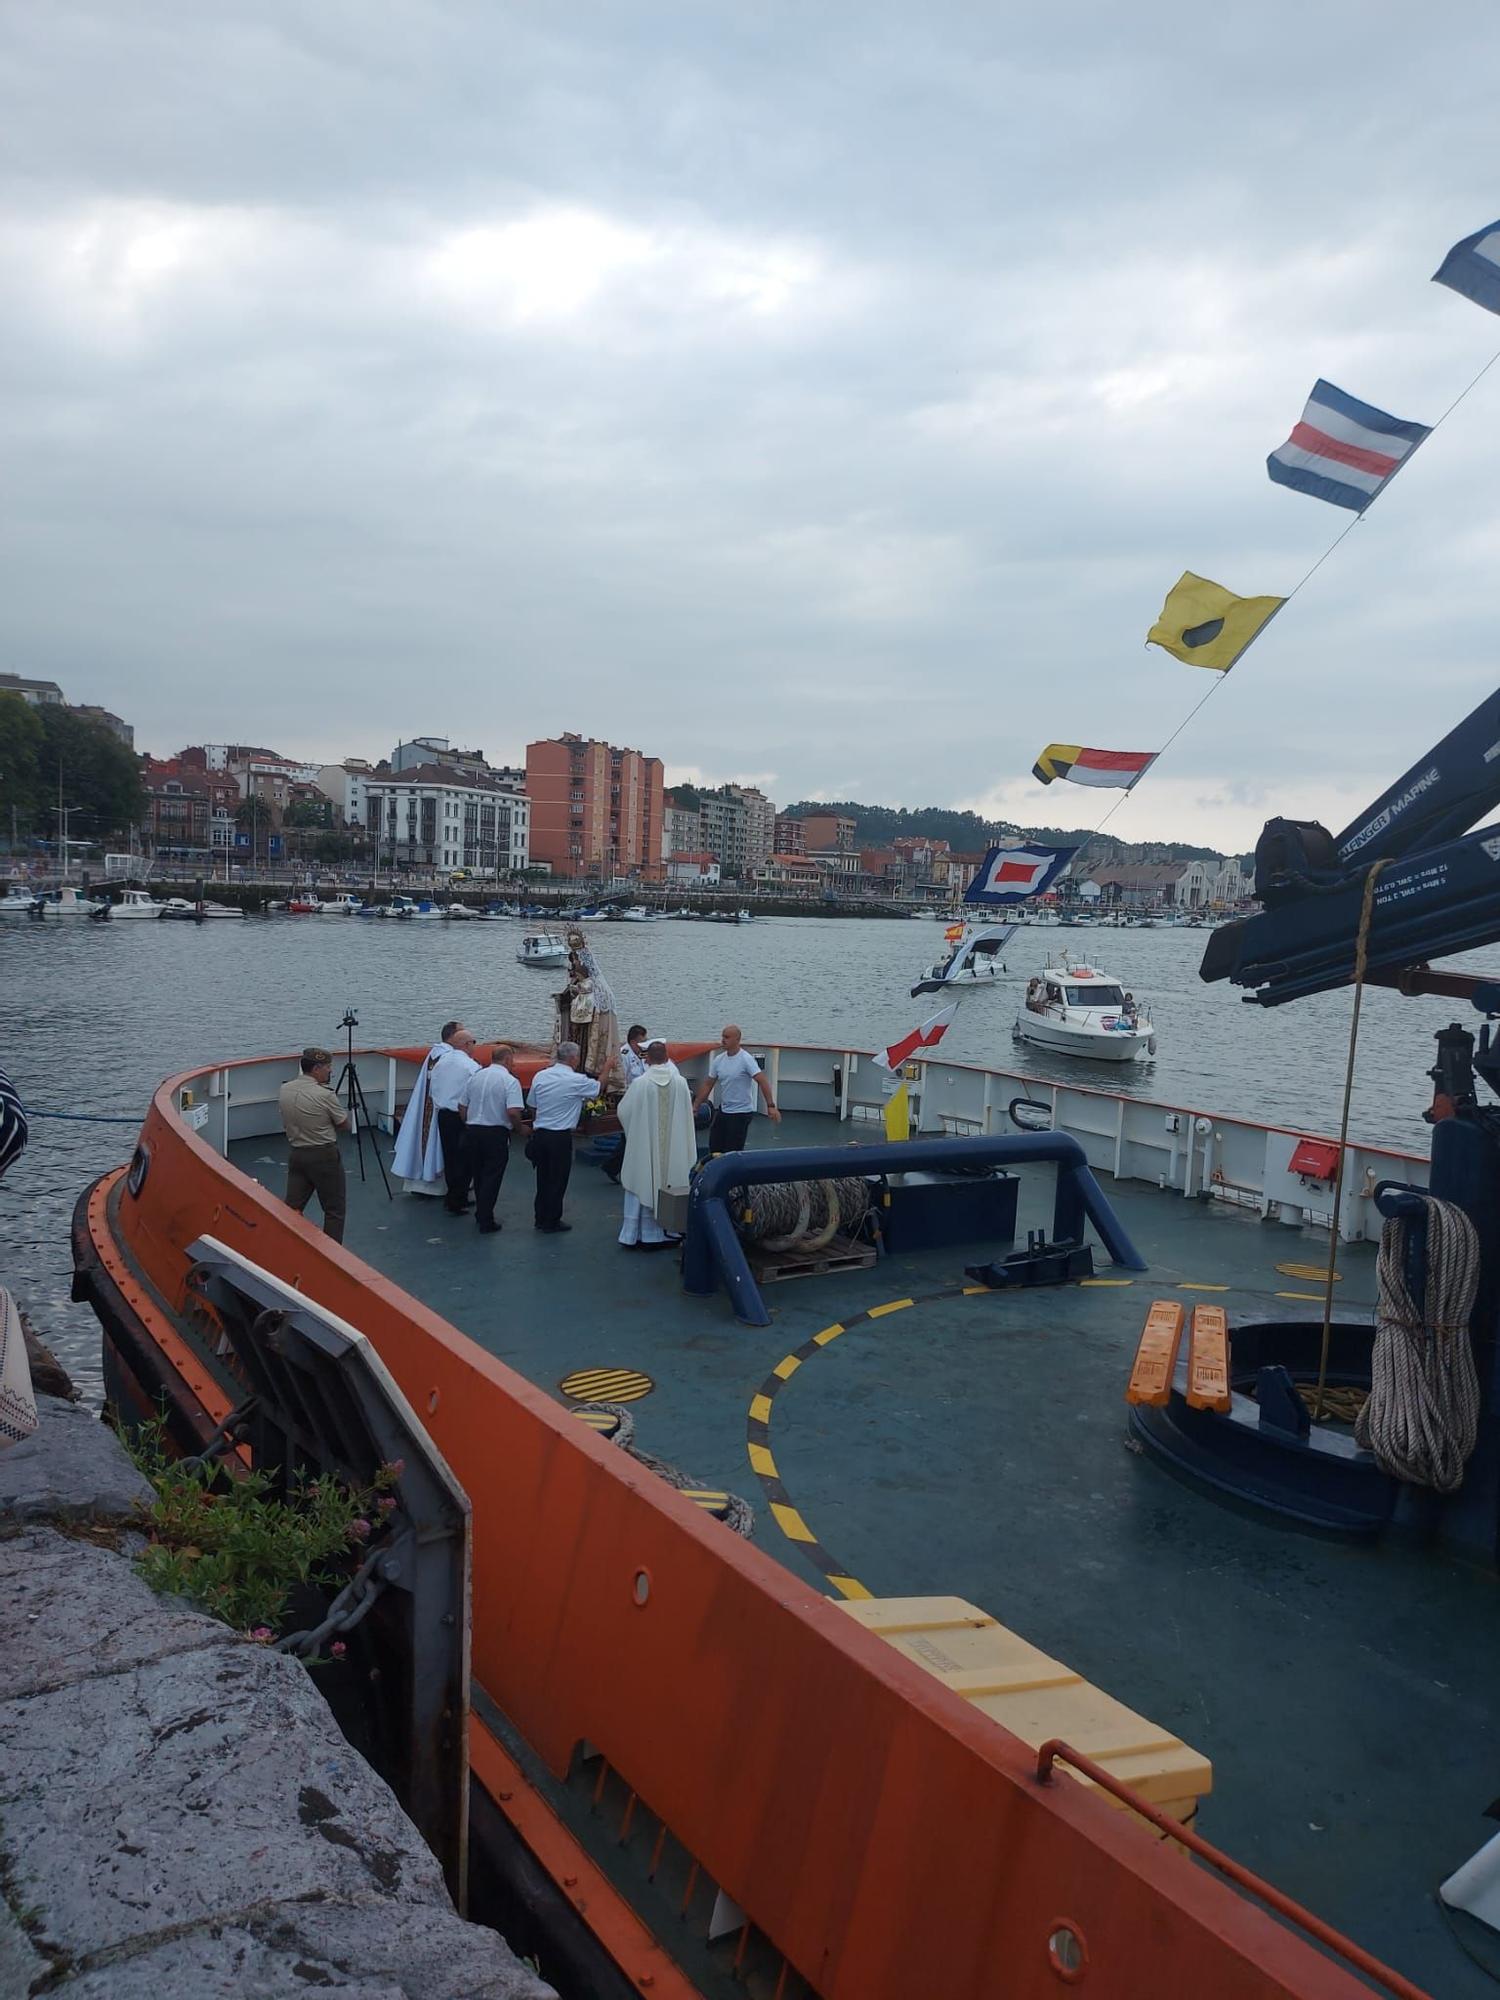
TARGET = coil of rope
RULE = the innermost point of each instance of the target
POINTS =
(800, 1215)
(1422, 1415)
(738, 1516)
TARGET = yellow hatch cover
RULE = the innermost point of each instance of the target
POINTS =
(1036, 1697)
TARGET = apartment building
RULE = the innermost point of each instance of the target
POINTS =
(596, 810)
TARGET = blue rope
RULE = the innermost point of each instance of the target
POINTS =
(81, 1117)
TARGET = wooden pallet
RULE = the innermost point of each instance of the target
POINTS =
(842, 1254)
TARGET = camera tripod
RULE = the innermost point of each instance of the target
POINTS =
(350, 1088)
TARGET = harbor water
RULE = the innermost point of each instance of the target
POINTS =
(94, 1016)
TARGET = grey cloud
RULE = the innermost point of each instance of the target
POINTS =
(832, 392)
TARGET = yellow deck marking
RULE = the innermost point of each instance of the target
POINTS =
(829, 1333)
(791, 1523)
(1316, 1298)
(1190, 1285)
(606, 1385)
(850, 1586)
(787, 1366)
(598, 1420)
(1104, 1281)
(972, 1291)
(760, 1409)
(761, 1461)
(895, 1306)
(1308, 1271)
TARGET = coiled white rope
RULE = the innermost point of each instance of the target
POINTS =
(1422, 1416)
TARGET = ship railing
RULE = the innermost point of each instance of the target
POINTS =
(1186, 1150)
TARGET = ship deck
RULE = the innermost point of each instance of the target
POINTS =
(976, 1445)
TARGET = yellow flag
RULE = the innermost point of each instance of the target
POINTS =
(1208, 626)
(898, 1115)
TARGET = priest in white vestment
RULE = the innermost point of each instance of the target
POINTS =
(661, 1148)
(419, 1146)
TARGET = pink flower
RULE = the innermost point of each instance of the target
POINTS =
(359, 1531)
(262, 1634)
(386, 1503)
(338, 1649)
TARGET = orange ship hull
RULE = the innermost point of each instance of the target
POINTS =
(882, 1838)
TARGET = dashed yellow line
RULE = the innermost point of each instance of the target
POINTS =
(1112, 1283)
(762, 1461)
(786, 1367)
(895, 1306)
(760, 1409)
(1188, 1285)
(792, 1524)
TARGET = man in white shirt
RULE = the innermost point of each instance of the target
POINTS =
(491, 1109)
(661, 1147)
(445, 1087)
(558, 1095)
(735, 1074)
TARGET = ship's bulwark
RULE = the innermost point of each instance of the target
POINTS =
(885, 1838)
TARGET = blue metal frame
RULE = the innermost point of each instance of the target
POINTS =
(713, 1252)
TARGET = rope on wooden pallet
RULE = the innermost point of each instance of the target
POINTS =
(800, 1215)
(1422, 1415)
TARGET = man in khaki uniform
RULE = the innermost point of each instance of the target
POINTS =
(312, 1118)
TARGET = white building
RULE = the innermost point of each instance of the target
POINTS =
(681, 831)
(760, 823)
(692, 871)
(435, 816)
(344, 784)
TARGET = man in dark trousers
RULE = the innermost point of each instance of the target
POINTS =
(735, 1074)
(491, 1109)
(446, 1087)
(312, 1117)
(558, 1095)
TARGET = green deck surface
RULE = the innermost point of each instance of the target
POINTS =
(978, 1446)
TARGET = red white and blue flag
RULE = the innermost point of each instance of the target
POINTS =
(1472, 268)
(1011, 874)
(926, 1037)
(1344, 451)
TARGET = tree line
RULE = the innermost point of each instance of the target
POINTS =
(49, 744)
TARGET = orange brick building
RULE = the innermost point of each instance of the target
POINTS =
(595, 810)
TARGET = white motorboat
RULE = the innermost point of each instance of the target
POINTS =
(543, 948)
(65, 902)
(133, 906)
(637, 913)
(973, 960)
(17, 902)
(426, 912)
(458, 913)
(1080, 1010)
(344, 904)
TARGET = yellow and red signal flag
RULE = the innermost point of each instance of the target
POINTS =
(1119, 768)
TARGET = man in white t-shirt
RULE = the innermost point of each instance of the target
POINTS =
(491, 1108)
(735, 1074)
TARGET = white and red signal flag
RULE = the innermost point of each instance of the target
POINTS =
(926, 1037)
(1011, 874)
(1119, 768)
(1344, 451)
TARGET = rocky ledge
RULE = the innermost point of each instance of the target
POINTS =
(179, 1813)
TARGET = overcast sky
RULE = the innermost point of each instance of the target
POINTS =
(825, 396)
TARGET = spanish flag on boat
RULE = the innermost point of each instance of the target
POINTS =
(1120, 768)
(1207, 625)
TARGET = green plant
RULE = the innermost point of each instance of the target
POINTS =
(234, 1547)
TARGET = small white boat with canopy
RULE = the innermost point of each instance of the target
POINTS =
(973, 959)
(1080, 1010)
(543, 948)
